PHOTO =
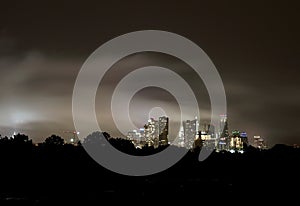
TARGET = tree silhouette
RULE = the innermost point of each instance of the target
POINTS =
(20, 139)
(96, 138)
(42, 166)
(4, 140)
(54, 140)
(95, 143)
(106, 135)
(123, 145)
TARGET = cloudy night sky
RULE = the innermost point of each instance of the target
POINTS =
(253, 44)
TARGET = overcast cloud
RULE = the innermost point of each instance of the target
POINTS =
(255, 46)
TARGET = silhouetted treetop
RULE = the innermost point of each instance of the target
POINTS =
(54, 140)
(20, 139)
(95, 138)
(4, 140)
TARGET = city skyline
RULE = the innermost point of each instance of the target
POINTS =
(149, 101)
(43, 46)
(192, 134)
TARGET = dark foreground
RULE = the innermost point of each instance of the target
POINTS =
(51, 175)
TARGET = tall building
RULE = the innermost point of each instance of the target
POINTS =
(223, 126)
(207, 135)
(223, 134)
(137, 137)
(156, 131)
(244, 138)
(208, 129)
(190, 130)
(180, 142)
(131, 135)
(152, 132)
(238, 140)
(163, 123)
(235, 141)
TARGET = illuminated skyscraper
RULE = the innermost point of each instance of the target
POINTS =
(190, 131)
(209, 129)
(163, 130)
(207, 135)
(152, 132)
(244, 138)
(223, 127)
(235, 141)
(137, 137)
(238, 140)
(223, 134)
(156, 131)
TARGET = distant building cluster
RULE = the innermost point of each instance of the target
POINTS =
(154, 133)
(192, 134)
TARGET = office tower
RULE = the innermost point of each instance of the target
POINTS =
(223, 134)
(235, 141)
(137, 137)
(238, 140)
(156, 131)
(179, 140)
(190, 130)
(223, 127)
(152, 132)
(163, 130)
(244, 138)
(211, 130)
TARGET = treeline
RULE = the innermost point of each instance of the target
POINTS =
(54, 172)
(22, 141)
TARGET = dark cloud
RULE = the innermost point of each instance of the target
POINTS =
(254, 45)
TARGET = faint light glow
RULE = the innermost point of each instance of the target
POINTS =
(243, 134)
(241, 151)
(232, 151)
(138, 147)
(156, 112)
(72, 140)
(19, 117)
(13, 136)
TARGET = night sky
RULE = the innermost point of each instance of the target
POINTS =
(253, 44)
